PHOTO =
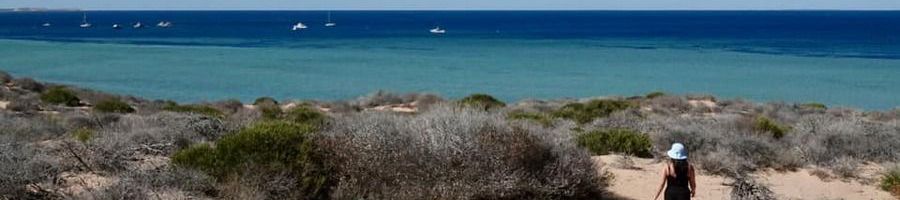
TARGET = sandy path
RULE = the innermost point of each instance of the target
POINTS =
(641, 183)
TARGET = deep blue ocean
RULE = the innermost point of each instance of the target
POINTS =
(842, 58)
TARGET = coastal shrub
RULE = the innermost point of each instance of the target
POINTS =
(28, 84)
(764, 124)
(61, 96)
(891, 181)
(481, 101)
(26, 103)
(269, 111)
(305, 115)
(113, 105)
(540, 118)
(23, 166)
(229, 106)
(5, 77)
(814, 105)
(265, 101)
(197, 109)
(603, 142)
(266, 147)
(587, 112)
(653, 95)
(447, 152)
(83, 134)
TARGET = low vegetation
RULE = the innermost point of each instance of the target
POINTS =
(267, 148)
(586, 112)
(486, 149)
(113, 105)
(481, 101)
(196, 109)
(891, 181)
(60, 96)
(603, 142)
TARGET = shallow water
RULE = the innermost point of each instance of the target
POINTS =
(854, 69)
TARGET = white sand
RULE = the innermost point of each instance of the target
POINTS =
(642, 183)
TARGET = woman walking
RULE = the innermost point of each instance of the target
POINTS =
(677, 176)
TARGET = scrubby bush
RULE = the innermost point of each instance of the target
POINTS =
(28, 84)
(198, 109)
(814, 105)
(587, 112)
(267, 147)
(83, 134)
(540, 118)
(305, 115)
(481, 101)
(265, 101)
(653, 95)
(745, 188)
(26, 103)
(61, 96)
(602, 142)
(269, 111)
(113, 105)
(5, 77)
(765, 124)
(21, 168)
(891, 181)
(449, 152)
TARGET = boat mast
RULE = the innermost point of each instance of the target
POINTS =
(329, 16)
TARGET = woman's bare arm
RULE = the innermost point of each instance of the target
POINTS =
(665, 173)
(693, 180)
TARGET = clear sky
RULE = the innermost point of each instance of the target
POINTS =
(457, 4)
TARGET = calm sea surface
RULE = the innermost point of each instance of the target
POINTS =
(839, 58)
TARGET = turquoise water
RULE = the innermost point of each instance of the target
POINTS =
(511, 69)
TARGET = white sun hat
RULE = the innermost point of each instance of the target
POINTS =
(677, 152)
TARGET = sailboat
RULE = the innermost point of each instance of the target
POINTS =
(84, 22)
(299, 26)
(116, 26)
(437, 30)
(46, 24)
(164, 24)
(137, 25)
(330, 23)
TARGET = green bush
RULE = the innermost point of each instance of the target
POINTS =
(113, 106)
(891, 181)
(198, 109)
(83, 134)
(60, 95)
(481, 101)
(814, 105)
(539, 118)
(602, 142)
(269, 111)
(265, 100)
(305, 115)
(765, 124)
(270, 146)
(655, 94)
(586, 112)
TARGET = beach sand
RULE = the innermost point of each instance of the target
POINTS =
(642, 182)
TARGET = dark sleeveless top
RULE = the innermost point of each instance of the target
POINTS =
(677, 184)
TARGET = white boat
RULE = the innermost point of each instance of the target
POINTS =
(164, 24)
(84, 23)
(116, 26)
(46, 24)
(299, 26)
(329, 23)
(437, 30)
(137, 25)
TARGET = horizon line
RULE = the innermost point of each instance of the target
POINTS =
(427, 10)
